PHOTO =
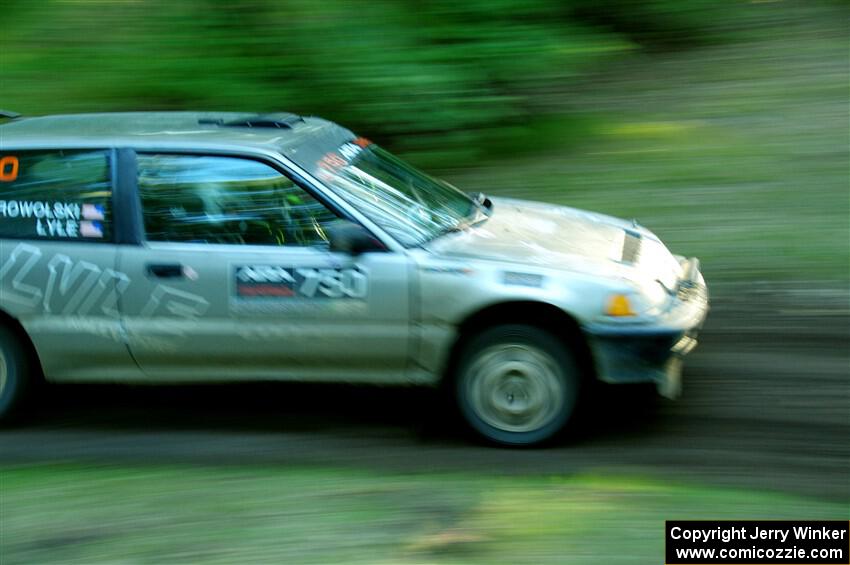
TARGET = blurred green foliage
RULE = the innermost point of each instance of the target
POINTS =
(409, 71)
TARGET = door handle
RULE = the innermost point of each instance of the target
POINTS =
(165, 270)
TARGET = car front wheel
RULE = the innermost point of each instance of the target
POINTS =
(517, 384)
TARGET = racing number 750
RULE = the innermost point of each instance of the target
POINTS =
(334, 283)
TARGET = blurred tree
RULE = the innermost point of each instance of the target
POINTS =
(422, 73)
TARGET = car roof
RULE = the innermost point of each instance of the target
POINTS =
(282, 132)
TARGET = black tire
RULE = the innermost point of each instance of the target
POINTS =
(15, 375)
(505, 373)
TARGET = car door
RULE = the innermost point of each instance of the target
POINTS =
(58, 250)
(237, 280)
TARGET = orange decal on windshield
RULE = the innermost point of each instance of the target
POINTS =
(332, 161)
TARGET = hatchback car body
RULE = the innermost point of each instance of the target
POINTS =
(197, 247)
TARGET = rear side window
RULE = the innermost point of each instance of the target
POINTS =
(212, 199)
(56, 195)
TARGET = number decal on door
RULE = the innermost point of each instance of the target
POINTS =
(270, 281)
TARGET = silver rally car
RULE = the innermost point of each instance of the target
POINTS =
(199, 247)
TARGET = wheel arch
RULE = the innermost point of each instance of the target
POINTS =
(534, 313)
(14, 325)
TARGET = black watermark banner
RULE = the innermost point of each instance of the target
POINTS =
(757, 542)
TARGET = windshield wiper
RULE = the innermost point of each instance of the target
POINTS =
(476, 217)
(478, 214)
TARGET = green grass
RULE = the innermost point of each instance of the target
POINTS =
(166, 514)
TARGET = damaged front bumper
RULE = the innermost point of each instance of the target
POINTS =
(653, 352)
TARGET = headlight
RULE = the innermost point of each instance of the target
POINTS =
(654, 293)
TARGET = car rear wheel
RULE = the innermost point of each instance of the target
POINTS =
(517, 384)
(14, 373)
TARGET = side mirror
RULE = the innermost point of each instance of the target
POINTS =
(347, 237)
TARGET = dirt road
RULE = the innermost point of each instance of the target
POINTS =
(766, 405)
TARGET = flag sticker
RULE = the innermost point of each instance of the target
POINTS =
(91, 229)
(93, 212)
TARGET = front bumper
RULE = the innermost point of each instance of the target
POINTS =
(653, 352)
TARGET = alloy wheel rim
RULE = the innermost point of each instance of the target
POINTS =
(515, 387)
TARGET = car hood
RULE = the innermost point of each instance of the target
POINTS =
(562, 237)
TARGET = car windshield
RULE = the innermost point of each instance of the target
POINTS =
(408, 204)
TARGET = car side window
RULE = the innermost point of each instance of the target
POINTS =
(212, 199)
(56, 195)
